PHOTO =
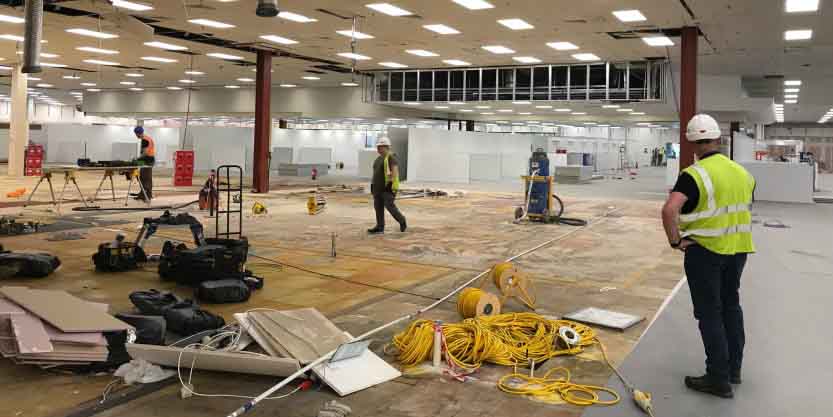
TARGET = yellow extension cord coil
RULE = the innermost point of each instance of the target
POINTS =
(508, 340)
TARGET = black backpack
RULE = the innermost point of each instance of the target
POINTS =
(153, 302)
(27, 265)
(223, 291)
(187, 319)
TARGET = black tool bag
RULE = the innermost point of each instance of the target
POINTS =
(218, 259)
(27, 265)
(223, 291)
(150, 330)
(153, 302)
(126, 257)
(187, 319)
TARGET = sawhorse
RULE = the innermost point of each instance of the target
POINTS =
(134, 174)
(107, 174)
(69, 176)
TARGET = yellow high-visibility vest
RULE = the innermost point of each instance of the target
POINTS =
(722, 220)
(388, 174)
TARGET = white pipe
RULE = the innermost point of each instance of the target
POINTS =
(252, 403)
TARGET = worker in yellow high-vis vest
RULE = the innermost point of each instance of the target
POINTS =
(708, 217)
(384, 187)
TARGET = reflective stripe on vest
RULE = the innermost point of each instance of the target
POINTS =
(737, 208)
(738, 228)
(388, 174)
(707, 183)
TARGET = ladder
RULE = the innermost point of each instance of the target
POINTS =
(234, 201)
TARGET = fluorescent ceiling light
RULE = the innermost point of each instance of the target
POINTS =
(421, 52)
(93, 90)
(498, 49)
(563, 110)
(351, 55)
(456, 103)
(456, 62)
(97, 50)
(789, 96)
(11, 19)
(309, 77)
(352, 34)
(562, 46)
(798, 35)
(134, 75)
(233, 86)
(527, 59)
(792, 82)
(525, 114)
(187, 81)
(516, 24)
(589, 123)
(610, 106)
(71, 77)
(393, 65)
(388, 9)
(630, 16)
(802, 6)
(790, 101)
(295, 17)
(505, 110)
(474, 4)
(129, 5)
(12, 37)
(279, 39)
(440, 107)
(483, 107)
(638, 113)
(167, 46)
(92, 33)
(466, 110)
(158, 59)
(173, 87)
(350, 84)
(543, 107)
(211, 23)
(586, 57)
(578, 113)
(792, 90)
(100, 62)
(521, 102)
(625, 110)
(190, 72)
(643, 124)
(136, 89)
(487, 114)
(48, 55)
(127, 83)
(442, 29)
(658, 41)
(88, 84)
(44, 85)
(221, 55)
(413, 103)
(288, 85)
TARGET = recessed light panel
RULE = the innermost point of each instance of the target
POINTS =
(658, 41)
(498, 49)
(11, 19)
(295, 17)
(516, 24)
(474, 4)
(628, 16)
(442, 29)
(562, 46)
(351, 55)
(527, 59)
(802, 6)
(393, 65)
(131, 5)
(168, 46)
(211, 23)
(798, 35)
(586, 57)
(456, 62)
(92, 33)
(159, 59)
(352, 34)
(792, 83)
(279, 39)
(421, 52)
(388, 9)
(225, 56)
(100, 62)
(97, 50)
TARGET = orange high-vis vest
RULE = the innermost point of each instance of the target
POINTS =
(151, 148)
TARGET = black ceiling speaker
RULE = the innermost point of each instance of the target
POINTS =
(267, 8)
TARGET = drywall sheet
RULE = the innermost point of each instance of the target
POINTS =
(782, 182)
(355, 374)
(30, 334)
(484, 167)
(125, 151)
(305, 333)
(281, 155)
(214, 361)
(315, 155)
(64, 311)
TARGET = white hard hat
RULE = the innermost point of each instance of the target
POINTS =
(702, 127)
(383, 141)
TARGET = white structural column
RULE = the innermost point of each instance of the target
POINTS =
(18, 123)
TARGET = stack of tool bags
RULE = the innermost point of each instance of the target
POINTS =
(54, 328)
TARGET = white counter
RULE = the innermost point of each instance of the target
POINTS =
(781, 181)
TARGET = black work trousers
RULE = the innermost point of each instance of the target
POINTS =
(714, 281)
(146, 178)
(386, 200)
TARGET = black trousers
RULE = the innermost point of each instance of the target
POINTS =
(714, 281)
(386, 200)
(146, 178)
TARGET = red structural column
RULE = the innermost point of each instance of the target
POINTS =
(688, 91)
(263, 121)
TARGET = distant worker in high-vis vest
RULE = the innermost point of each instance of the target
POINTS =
(708, 217)
(148, 158)
(384, 187)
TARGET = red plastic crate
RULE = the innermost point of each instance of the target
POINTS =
(34, 163)
(183, 181)
(33, 172)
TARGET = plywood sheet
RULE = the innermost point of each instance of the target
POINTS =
(30, 334)
(215, 361)
(66, 312)
(7, 307)
(255, 333)
(355, 374)
(305, 333)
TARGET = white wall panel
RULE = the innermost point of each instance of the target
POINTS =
(485, 167)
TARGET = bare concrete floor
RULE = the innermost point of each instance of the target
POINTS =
(619, 262)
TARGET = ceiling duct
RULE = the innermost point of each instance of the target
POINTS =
(267, 8)
(32, 36)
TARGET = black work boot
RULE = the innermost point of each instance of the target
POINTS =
(403, 226)
(707, 385)
(376, 230)
(734, 378)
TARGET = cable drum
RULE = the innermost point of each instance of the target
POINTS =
(569, 336)
(474, 302)
(513, 283)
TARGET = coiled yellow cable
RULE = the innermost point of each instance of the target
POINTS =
(508, 340)
(474, 302)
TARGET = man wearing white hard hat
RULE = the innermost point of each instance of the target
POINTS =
(708, 217)
(384, 187)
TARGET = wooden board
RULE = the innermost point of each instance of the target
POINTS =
(66, 312)
(355, 374)
(304, 333)
(214, 361)
(255, 333)
(30, 334)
